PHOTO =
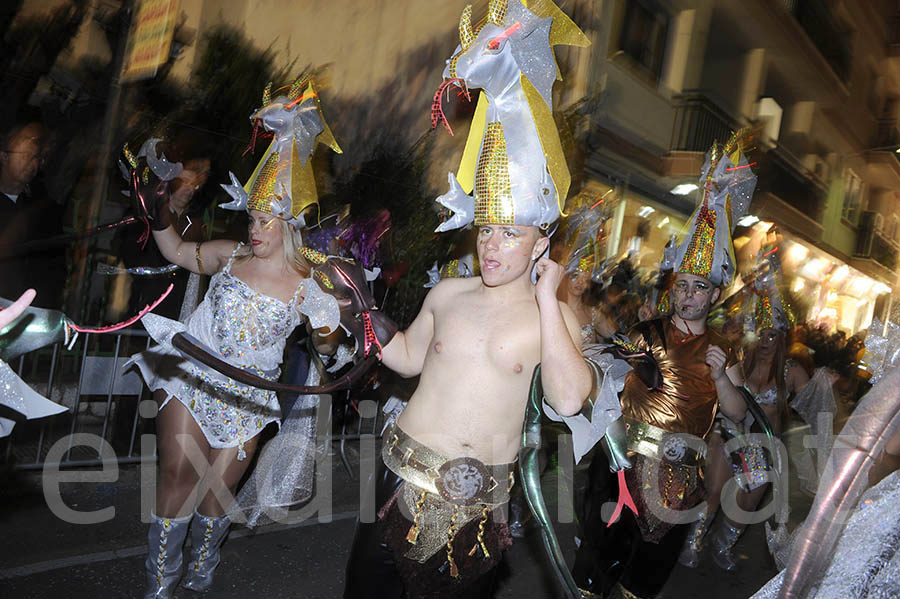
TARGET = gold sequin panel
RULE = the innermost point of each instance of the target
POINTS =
(263, 189)
(764, 318)
(698, 257)
(494, 203)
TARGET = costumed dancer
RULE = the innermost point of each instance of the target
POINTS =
(448, 461)
(583, 267)
(770, 379)
(258, 294)
(849, 544)
(683, 374)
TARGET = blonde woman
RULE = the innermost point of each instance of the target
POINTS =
(252, 305)
(259, 292)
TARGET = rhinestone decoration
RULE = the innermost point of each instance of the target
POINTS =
(264, 187)
(493, 196)
(698, 257)
(466, 35)
(245, 320)
(497, 12)
(314, 256)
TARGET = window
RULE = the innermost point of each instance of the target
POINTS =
(852, 197)
(643, 37)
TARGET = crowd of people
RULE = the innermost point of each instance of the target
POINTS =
(673, 407)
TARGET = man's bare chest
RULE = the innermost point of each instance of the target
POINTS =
(507, 341)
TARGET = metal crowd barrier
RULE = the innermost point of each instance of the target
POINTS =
(365, 417)
(104, 400)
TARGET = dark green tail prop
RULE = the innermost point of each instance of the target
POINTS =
(529, 470)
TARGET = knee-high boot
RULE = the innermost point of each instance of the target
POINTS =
(207, 536)
(693, 544)
(164, 559)
(723, 540)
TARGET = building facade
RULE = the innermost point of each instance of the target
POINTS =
(661, 82)
(819, 78)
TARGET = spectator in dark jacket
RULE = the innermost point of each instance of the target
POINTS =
(28, 217)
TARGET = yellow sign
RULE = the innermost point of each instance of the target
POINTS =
(150, 39)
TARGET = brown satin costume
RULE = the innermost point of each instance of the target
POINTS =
(639, 552)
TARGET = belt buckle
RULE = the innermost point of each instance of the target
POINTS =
(673, 448)
(463, 480)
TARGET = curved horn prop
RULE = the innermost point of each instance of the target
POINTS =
(160, 165)
(466, 35)
(297, 88)
(191, 348)
(856, 449)
(530, 471)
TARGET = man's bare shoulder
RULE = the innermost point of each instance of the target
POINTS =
(450, 288)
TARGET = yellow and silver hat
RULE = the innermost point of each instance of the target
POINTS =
(726, 188)
(513, 164)
(283, 183)
(771, 310)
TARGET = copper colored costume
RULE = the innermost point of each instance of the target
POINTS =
(639, 552)
(687, 401)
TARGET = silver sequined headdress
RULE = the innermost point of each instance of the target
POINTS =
(726, 188)
(513, 163)
(283, 183)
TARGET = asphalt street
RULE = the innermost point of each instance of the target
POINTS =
(44, 557)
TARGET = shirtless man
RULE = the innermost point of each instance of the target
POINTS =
(475, 344)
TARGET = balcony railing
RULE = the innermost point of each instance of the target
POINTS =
(698, 123)
(888, 133)
(832, 42)
(872, 244)
(781, 174)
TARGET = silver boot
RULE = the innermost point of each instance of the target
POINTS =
(207, 536)
(724, 538)
(693, 544)
(164, 559)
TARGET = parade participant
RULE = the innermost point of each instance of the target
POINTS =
(770, 378)
(258, 294)
(848, 545)
(584, 260)
(447, 462)
(683, 373)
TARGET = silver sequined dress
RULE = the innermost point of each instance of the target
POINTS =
(866, 563)
(249, 330)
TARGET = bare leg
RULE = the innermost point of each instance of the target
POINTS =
(177, 432)
(227, 470)
(717, 472)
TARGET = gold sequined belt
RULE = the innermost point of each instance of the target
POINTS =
(443, 495)
(459, 481)
(659, 444)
